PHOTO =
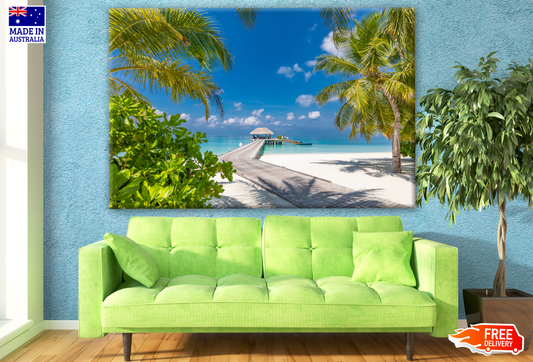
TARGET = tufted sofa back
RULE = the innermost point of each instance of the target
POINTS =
(214, 247)
(316, 247)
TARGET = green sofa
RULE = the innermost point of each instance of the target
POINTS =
(292, 275)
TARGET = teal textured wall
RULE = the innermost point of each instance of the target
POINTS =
(76, 126)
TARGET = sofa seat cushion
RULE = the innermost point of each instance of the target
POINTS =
(281, 301)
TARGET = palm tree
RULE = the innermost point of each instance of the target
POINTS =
(383, 91)
(152, 48)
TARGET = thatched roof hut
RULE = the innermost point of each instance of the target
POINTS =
(261, 132)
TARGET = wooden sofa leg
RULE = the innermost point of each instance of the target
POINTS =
(126, 342)
(410, 345)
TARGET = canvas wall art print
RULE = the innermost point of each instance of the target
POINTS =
(261, 108)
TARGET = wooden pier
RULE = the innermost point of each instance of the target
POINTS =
(302, 190)
(277, 141)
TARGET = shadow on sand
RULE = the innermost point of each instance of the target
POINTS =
(375, 167)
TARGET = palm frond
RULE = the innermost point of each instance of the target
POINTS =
(172, 77)
(399, 90)
(332, 64)
(150, 49)
(118, 87)
(248, 16)
(337, 18)
(401, 27)
(333, 91)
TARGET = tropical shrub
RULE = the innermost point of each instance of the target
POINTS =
(407, 149)
(157, 163)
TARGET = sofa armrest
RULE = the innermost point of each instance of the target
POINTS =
(435, 266)
(99, 275)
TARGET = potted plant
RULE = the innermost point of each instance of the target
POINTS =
(477, 151)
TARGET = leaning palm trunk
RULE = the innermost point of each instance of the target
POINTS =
(499, 279)
(396, 155)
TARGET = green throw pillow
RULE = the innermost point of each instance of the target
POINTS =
(133, 259)
(383, 257)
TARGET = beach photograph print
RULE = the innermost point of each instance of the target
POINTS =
(261, 108)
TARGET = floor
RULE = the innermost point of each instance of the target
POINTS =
(63, 346)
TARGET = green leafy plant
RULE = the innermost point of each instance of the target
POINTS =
(407, 149)
(157, 163)
(477, 144)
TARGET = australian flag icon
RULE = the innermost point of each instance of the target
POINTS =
(27, 16)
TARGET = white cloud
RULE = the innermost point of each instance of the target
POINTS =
(313, 115)
(276, 123)
(328, 46)
(231, 120)
(301, 117)
(308, 75)
(237, 105)
(290, 116)
(210, 119)
(257, 112)
(289, 72)
(251, 121)
(220, 91)
(286, 71)
(185, 116)
(268, 116)
(333, 99)
(158, 112)
(310, 63)
(287, 125)
(305, 100)
(314, 27)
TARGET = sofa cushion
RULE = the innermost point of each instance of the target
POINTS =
(316, 247)
(133, 259)
(383, 257)
(244, 301)
(214, 247)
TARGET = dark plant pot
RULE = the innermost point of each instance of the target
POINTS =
(517, 310)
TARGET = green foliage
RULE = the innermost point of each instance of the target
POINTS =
(407, 149)
(157, 163)
(337, 18)
(248, 16)
(477, 139)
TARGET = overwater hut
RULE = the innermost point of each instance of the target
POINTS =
(261, 133)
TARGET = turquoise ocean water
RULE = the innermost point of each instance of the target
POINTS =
(222, 144)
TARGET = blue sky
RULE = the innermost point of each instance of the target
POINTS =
(271, 84)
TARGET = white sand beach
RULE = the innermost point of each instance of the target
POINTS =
(369, 172)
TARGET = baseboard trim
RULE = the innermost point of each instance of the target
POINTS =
(21, 339)
(61, 324)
